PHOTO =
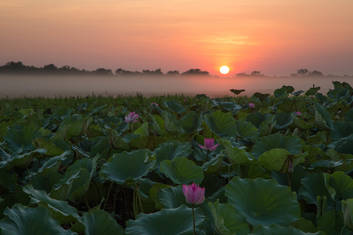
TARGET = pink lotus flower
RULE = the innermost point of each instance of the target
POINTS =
(251, 105)
(194, 194)
(298, 113)
(208, 144)
(131, 117)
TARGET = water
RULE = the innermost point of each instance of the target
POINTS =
(57, 86)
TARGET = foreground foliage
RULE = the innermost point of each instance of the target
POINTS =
(282, 165)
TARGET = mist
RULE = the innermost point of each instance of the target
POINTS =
(68, 86)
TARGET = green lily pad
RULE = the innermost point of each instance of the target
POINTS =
(235, 155)
(291, 143)
(21, 160)
(182, 171)
(98, 222)
(20, 137)
(71, 126)
(347, 210)
(60, 209)
(344, 145)
(76, 180)
(222, 124)
(256, 118)
(339, 185)
(176, 221)
(263, 202)
(21, 220)
(227, 106)
(190, 123)
(283, 120)
(227, 220)
(284, 91)
(48, 174)
(171, 123)
(349, 115)
(49, 145)
(341, 129)
(245, 129)
(128, 166)
(275, 229)
(325, 115)
(273, 159)
(175, 106)
(312, 91)
(171, 150)
(142, 130)
(313, 185)
(172, 197)
(237, 91)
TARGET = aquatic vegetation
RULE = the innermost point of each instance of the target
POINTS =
(90, 166)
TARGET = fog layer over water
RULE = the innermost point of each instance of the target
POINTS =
(62, 86)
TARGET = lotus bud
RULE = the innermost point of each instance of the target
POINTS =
(208, 144)
(194, 194)
(131, 117)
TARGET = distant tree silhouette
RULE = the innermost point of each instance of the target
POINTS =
(103, 72)
(316, 73)
(50, 68)
(302, 72)
(71, 70)
(156, 72)
(20, 68)
(256, 73)
(307, 73)
(122, 72)
(13, 67)
(196, 72)
(173, 72)
(242, 75)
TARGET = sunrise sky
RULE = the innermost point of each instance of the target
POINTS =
(274, 36)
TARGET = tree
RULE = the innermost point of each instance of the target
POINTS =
(50, 68)
(156, 72)
(242, 75)
(122, 72)
(196, 72)
(173, 72)
(103, 71)
(302, 72)
(256, 73)
(13, 67)
(316, 73)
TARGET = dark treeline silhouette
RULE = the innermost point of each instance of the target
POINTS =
(254, 73)
(300, 73)
(18, 68)
(306, 73)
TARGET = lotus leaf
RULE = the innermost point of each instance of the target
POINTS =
(182, 171)
(263, 202)
(128, 166)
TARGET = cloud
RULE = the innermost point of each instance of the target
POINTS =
(229, 40)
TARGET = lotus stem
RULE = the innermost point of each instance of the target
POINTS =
(137, 202)
(134, 205)
(193, 219)
(108, 194)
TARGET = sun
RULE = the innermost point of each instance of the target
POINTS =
(224, 69)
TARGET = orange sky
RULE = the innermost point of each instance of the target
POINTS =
(274, 36)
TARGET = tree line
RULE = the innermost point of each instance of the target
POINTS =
(19, 68)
